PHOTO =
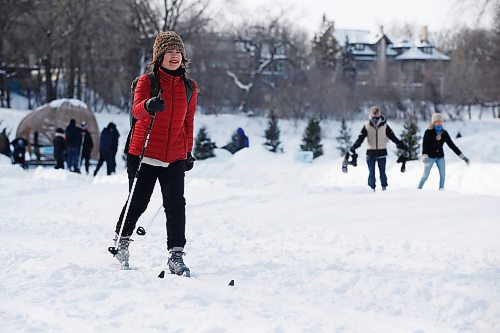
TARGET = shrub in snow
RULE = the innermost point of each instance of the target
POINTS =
(410, 137)
(273, 134)
(203, 146)
(311, 141)
(344, 138)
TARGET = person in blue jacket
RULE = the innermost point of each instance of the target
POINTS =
(239, 140)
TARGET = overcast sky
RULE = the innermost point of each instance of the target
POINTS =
(359, 14)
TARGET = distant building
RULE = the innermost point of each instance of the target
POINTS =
(377, 58)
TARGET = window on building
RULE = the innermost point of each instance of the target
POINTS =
(359, 47)
(427, 50)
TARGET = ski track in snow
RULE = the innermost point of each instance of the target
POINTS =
(309, 248)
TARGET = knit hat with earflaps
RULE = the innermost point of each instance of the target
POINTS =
(165, 41)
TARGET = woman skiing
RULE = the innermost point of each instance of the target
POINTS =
(168, 151)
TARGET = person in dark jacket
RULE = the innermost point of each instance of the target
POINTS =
(114, 146)
(74, 141)
(87, 146)
(239, 140)
(105, 149)
(59, 143)
(4, 143)
(168, 153)
(19, 145)
(376, 131)
(432, 149)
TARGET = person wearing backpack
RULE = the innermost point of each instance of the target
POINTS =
(168, 151)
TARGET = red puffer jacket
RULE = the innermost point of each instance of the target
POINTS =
(172, 133)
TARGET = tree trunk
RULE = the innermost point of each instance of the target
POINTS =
(29, 99)
(79, 84)
(70, 91)
(8, 98)
(50, 91)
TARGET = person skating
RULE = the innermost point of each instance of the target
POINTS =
(432, 149)
(376, 131)
(168, 153)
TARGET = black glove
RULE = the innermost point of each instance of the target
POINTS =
(466, 160)
(403, 147)
(155, 104)
(352, 150)
(190, 161)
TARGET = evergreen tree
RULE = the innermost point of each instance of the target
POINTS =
(410, 137)
(203, 146)
(273, 134)
(348, 62)
(312, 138)
(326, 51)
(344, 138)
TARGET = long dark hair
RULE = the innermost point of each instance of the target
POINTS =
(154, 67)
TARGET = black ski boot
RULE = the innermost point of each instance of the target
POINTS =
(175, 262)
(123, 254)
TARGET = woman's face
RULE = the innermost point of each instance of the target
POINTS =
(438, 123)
(172, 60)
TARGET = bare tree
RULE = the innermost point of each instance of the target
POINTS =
(258, 48)
(482, 6)
(473, 74)
(186, 17)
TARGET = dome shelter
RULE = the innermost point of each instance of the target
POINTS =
(41, 124)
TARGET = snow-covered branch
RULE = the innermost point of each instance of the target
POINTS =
(238, 83)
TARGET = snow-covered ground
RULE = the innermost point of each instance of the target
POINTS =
(310, 248)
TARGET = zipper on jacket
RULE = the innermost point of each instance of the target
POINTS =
(170, 120)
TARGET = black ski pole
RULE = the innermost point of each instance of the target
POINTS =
(81, 151)
(114, 249)
(140, 230)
